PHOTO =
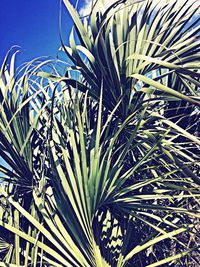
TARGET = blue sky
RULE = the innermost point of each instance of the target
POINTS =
(34, 26)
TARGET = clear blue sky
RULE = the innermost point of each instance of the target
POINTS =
(33, 25)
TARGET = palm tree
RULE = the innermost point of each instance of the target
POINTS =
(100, 165)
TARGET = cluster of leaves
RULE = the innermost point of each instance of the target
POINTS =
(102, 169)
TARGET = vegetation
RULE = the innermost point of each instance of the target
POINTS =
(101, 164)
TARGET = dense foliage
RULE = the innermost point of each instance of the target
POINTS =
(100, 166)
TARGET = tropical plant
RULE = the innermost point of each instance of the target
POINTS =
(100, 165)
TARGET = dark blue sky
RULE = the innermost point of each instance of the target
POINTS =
(33, 25)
